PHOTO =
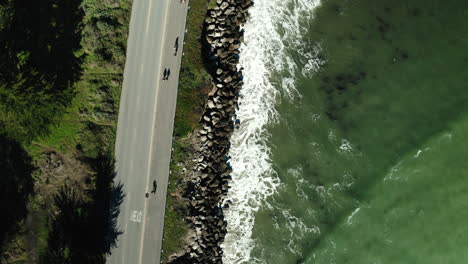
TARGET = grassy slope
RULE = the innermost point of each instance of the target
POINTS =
(87, 124)
(193, 85)
(90, 120)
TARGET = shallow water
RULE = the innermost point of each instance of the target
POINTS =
(361, 151)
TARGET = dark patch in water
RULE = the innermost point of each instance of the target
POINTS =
(401, 54)
(340, 87)
(415, 12)
(336, 8)
(344, 81)
(383, 26)
(337, 86)
(331, 115)
(363, 28)
(300, 260)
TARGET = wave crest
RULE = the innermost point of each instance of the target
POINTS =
(271, 35)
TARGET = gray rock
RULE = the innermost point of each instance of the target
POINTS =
(224, 5)
(211, 105)
(227, 79)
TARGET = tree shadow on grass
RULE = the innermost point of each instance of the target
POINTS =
(16, 185)
(39, 62)
(85, 227)
(105, 209)
(42, 35)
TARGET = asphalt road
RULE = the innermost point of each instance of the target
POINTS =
(145, 126)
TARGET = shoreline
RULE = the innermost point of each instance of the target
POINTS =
(208, 183)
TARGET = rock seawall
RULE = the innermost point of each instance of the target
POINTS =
(209, 180)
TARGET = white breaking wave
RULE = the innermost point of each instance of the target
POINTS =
(274, 30)
(349, 222)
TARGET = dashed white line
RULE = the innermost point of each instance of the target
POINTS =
(148, 17)
(152, 138)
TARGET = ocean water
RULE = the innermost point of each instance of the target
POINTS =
(353, 143)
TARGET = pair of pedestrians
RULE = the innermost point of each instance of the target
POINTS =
(166, 74)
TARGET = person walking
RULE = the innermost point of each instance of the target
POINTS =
(165, 74)
(176, 46)
(155, 186)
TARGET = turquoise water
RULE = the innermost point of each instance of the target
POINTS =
(370, 153)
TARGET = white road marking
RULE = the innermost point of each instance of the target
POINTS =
(158, 83)
(136, 216)
(135, 143)
(148, 17)
(141, 70)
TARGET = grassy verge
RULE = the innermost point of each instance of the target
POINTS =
(194, 79)
(194, 84)
(175, 228)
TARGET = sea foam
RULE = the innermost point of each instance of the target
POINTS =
(272, 34)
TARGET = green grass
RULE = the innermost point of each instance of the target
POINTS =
(194, 84)
(90, 119)
(194, 80)
(175, 228)
(212, 4)
(86, 123)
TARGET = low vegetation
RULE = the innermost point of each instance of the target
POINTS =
(194, 79)
(61, 71)
(194, 84)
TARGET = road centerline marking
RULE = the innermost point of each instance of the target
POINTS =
(148, 17)
(158, 83)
